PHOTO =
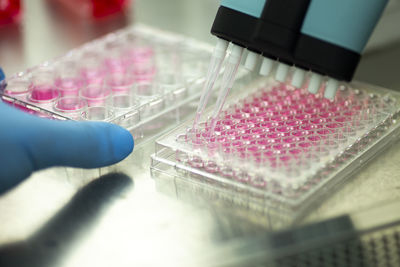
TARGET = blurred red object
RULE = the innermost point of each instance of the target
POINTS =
(96, 8)
(103, 8)
(10, 11)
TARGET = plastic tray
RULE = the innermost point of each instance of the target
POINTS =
(140, 78)
(276, 149)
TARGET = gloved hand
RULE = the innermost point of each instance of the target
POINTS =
(29, 143)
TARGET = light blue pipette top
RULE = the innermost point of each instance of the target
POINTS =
(346, 23)
(252, 8)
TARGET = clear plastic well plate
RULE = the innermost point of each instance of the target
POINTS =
(140, 78)
(279, 148)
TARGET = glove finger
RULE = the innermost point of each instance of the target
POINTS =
(15, 165)
(30, 143)
(78, 144)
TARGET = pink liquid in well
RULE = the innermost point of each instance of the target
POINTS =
(95, 94)
(115, 64)
(120, 82)
(141, 61)
(139, 54)
(43, 93)
(93, 76)
(69, 86)
(286, 128)
(96, 102)
(70, 104)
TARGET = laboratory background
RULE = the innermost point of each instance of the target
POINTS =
(199, 133)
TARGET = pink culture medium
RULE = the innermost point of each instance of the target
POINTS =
(281, 131)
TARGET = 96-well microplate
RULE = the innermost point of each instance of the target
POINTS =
(280, 144)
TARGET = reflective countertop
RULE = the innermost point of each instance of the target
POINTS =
(121, 219)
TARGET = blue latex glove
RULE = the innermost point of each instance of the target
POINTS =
(2, 76)
(29, 143)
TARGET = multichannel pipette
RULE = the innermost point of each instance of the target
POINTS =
(316, 43)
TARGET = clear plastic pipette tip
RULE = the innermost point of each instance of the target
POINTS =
(214, 68)
(228, 78)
